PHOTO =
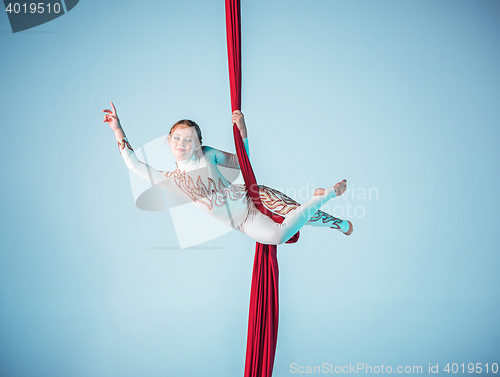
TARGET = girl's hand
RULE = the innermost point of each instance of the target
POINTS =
(239, 120)
(111, 118)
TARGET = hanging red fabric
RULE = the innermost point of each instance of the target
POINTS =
(263, 313)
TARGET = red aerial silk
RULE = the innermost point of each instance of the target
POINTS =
(263, 313)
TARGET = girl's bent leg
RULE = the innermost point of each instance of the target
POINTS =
(281, 204)
(264, 230)
(299, 217)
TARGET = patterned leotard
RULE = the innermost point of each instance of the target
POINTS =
(199, 180)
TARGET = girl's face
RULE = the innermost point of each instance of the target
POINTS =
(183, 142)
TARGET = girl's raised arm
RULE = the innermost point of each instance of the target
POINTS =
(133, 163)
(227, 159)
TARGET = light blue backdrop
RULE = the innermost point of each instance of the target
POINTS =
(400, 97)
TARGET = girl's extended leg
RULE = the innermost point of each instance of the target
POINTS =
(264, 230)
(279, 203)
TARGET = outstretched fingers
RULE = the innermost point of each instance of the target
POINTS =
(110, 114)
(113, 107)
(113, 112)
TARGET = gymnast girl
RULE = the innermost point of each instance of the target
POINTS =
(198, 180)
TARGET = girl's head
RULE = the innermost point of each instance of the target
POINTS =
(184, 139)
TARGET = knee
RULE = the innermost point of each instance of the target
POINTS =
(272, 236)
(280, 235)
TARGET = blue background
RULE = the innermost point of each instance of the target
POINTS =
(398, 97)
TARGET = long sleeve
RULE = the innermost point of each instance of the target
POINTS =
(140, 168)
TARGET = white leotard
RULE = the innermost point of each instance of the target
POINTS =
(199, 180)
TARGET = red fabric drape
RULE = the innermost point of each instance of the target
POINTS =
(263, 312)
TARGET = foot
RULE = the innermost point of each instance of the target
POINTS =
(339, 189)
(349, 231)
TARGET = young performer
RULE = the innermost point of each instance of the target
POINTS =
(197, 179)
